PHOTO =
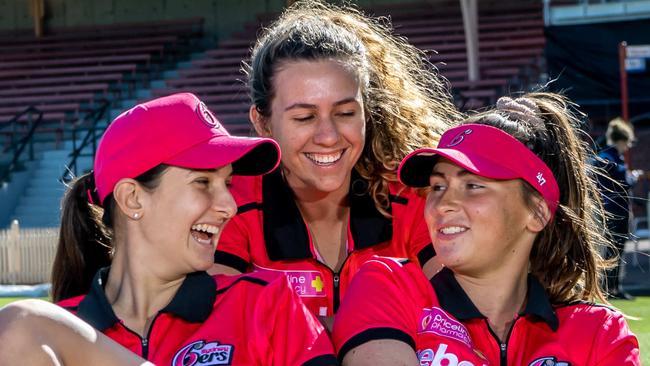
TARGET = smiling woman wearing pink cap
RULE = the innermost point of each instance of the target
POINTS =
(515, 217)
(145, 223)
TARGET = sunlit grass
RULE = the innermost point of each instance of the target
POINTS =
(639, 308)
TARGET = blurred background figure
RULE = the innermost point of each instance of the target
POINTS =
(615, 186)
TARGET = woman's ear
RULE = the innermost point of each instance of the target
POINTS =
(126, 194)
(540, 215)
(259, 122)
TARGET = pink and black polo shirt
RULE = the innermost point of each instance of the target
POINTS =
(220, 320)
(269, 234)
(442, 325)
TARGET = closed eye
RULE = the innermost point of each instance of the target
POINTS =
(303, 118)
(202, 181)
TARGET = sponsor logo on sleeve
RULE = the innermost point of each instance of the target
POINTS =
(437, 321)
(202, 353)
(548, 361)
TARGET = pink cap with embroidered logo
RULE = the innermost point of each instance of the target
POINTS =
(177, 130)
(486, 151)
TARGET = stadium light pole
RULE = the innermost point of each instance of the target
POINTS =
(625, 113)
(469, 9)
(622, 54)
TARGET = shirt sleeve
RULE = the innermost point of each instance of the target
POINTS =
(285, 332)
(382, 302)
(617, 345)
(233, 247)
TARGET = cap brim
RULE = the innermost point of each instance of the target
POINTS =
(248, 155)
(416, 168)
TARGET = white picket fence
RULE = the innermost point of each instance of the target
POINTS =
(26, 255)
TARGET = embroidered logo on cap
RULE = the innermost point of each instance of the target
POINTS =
(459, 138)
(202, 353)
(540, 179)
(206, 116)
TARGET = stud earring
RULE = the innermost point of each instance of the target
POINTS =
(136, 215)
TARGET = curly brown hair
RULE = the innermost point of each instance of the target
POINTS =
(407, 103)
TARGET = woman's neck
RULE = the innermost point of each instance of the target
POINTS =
(326, 215)
(499, 298)
(136, 291)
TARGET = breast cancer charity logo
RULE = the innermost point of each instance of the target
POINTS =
(202, 353)
(306, 283)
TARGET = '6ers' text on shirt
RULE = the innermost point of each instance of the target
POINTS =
(269, 234)
(221, 320)
(437, 318)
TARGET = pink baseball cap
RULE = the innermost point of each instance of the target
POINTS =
(177, 130)
(486, 151)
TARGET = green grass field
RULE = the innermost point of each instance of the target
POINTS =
(639, 308)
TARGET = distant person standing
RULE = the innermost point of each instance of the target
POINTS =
(615, 186)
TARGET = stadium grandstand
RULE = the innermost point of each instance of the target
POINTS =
(68, 66)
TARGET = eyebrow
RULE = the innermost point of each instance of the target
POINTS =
(313, 106)
(460, 173)
(210, 170)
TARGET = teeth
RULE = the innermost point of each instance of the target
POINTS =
(210, 229)
(324, 159)
(452, 230)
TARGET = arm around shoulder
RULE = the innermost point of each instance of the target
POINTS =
(35, 332)
(377, 321)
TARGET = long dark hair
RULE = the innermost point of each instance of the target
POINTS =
(85, 237)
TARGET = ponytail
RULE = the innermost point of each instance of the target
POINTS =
(564, 257)
(84, 240)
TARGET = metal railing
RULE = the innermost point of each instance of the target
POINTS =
(92, 134)
(19, 146)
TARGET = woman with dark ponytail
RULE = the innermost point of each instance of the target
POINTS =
(515, 217)
(84, 242)
(138, 234)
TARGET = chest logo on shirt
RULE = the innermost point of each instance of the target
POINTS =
(202, 353)
(444, 356)
(437, 321)
(548, 361)
(305, 283)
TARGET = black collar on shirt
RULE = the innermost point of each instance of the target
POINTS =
(193, 301)
(455, 301)
(286, 234)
